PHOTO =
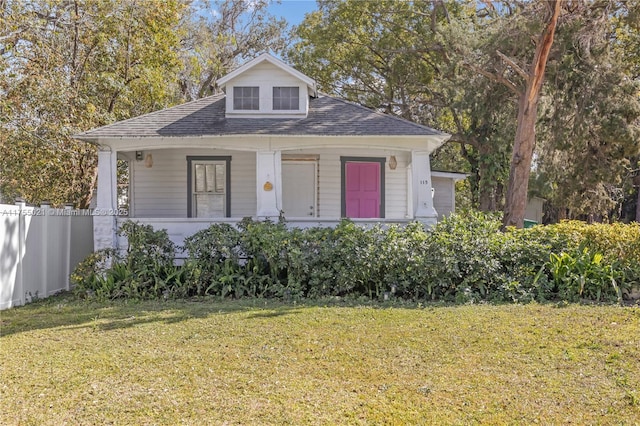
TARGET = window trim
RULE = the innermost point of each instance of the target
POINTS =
(343, 182)
(273, 98)
(196, 158)
(233, 100)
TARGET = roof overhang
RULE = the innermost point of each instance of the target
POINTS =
(449, 175)
(257, 142)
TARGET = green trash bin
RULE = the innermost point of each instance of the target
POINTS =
(529, 223)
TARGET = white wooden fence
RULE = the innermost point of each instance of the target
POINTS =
(39, 247)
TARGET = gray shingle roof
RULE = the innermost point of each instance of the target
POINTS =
(327, 117)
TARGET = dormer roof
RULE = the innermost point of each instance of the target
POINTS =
(311, 84)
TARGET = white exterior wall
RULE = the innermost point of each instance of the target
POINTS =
(444, 196)
(161, 191)
(330, 189)
(266, 76)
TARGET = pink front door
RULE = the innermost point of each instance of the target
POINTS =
(362, 189)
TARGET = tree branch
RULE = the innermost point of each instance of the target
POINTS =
(513, 65)
(495, 77)
(542, 54)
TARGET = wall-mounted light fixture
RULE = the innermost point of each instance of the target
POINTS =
(393, 163)
(139, 155)
(148, 161)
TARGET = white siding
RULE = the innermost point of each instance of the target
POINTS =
(444, 196)
(161, 191)
(396, 188)
(330, 189)
(266, 76)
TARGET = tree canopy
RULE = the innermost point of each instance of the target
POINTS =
(479, 70)
(68, 66)
(543, 88)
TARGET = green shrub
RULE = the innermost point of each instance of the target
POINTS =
(90, 275)
(464, 258)
(589, 261)
(266, 246)
(147, 270)
(583, 274)
(213, 262)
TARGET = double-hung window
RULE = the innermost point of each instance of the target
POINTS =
(286, 98)
(246, 98)
(208, 186)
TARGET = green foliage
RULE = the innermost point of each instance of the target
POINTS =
(213, 259)
(67, 67)
(146, 271)
(583, 274)
(464, 259)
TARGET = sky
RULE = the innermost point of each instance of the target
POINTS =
(292, 10)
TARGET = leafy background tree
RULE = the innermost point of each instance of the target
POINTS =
(68, 66)
(460, 66)
(470, 68)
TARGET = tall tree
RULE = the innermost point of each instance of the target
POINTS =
(69, 66)
(588, 143)
(379, 54)
(587, 113)
(220, 35)
(528, 97)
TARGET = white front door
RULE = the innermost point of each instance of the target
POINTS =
(299, 188)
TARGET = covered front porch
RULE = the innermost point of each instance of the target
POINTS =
(184, 185)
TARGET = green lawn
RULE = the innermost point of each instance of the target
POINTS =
(253, 362)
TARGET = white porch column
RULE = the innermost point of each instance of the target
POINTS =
(104, 219)
(268, 184)
(421, 183)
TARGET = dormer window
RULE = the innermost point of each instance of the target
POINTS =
(246, 98)
(266, 87)
(286, 98)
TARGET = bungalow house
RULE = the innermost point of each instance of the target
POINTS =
(271, 145)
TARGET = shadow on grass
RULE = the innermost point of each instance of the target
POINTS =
(67, 311)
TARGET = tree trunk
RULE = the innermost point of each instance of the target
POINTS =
(516, 199)
(485, 199)
(486, 182)
(516, 202)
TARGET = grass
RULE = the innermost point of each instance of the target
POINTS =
(66, 361)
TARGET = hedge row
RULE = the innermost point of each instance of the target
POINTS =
(463, 258)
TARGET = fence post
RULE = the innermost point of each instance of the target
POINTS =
(21, 248)
(67, 262)
(44, 244)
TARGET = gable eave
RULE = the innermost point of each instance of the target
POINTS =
(311, 84)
